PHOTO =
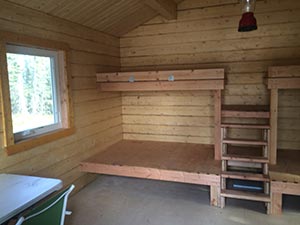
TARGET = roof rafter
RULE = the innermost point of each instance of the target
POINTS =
(166, 8)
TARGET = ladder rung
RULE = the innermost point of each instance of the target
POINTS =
(245, 158)
(245, 111)
(244, 142)
(253, 196)
(245, 176)
(249, 126)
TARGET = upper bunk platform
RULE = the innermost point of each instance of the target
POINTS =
(179, 162)
(198, 79)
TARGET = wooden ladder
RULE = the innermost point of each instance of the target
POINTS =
(238, 159)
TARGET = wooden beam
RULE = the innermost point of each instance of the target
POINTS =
(215, 196)
(284, 71)
(201, 79)
(284, 77)
(217, 110)
(276, 204)
(284, 83)
(163, 86)
(166, 8)
(285, 187)
(197, 74)
(273, 124)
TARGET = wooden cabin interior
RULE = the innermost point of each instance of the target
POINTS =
(160, 89)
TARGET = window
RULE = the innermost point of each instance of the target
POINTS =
(34, 91)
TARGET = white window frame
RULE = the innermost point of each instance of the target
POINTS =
(53, 55)
(7, 140)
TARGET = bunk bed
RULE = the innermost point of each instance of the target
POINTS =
(179, 162)
(195, 163)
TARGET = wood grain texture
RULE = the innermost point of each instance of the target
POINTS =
(179, 162)
(189, 163)
(109, 16)
(205, 36)
(165, 8)
(97, 116)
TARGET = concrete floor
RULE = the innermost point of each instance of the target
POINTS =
(112, 200)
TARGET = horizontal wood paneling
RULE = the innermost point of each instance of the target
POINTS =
(205, 36)
(177, 116)
(289, 119)
(97, 115)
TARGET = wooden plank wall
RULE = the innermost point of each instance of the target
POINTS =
(205, 36)
(97, 115)
(289, 119)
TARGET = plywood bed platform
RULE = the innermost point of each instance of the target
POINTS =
(178, 162)
(188, 163)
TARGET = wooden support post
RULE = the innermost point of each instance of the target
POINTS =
(215, 199)
(273, 124)
(217, 109)
(276, 204)
(4, 98)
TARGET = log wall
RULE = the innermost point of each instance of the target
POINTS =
(205, 36)
(98, 120)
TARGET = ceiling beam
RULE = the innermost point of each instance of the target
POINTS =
(166, 8)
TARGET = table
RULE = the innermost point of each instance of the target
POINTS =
(18, 192)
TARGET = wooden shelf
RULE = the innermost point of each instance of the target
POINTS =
(253, 196)
(205, 79)
(245, 176)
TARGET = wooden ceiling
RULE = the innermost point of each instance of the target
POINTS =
(115, 17)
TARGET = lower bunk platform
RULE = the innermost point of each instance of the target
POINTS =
(188, 163)
(285, 178)
(178, 162)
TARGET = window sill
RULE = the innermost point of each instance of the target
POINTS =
(39, 140)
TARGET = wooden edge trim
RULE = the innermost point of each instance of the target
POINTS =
(283, 83)
(166, 8)
(201, 74)
(164, 86)
(152, 173)
(37, 141)
(8, 138)
(284, 71)
(285, 187)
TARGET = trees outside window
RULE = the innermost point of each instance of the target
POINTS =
(33, 87)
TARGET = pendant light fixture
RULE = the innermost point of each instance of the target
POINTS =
(248, 21)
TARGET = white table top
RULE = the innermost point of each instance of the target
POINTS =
(18, 192)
